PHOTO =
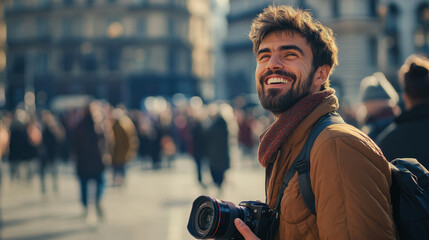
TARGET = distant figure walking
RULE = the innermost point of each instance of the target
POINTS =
(53, 135)
(88, 148)
(408, 136)
(218, 149)
(198, 145)
(125, 144)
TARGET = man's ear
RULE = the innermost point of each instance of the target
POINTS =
(321, 75)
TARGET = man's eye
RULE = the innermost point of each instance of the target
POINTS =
(290, 54)
(263, 57)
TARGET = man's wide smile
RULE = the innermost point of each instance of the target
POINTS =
(277, 81)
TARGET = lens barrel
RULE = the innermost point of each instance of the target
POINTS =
(212, 218)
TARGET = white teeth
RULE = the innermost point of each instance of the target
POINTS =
(277, 80)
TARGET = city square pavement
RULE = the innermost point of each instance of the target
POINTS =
(152, 205)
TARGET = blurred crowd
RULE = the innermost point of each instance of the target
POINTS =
(97, 136)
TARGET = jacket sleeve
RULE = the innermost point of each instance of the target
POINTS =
(351, 181)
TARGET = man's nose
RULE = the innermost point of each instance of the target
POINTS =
(274, 63)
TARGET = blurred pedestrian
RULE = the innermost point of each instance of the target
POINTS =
(217, 147)
(166, 130)
(25, 138)
(88, 148)
(53, 134)
(408, 136)
(378, 104)
(125, 144)
(198, 142)
(246, 136)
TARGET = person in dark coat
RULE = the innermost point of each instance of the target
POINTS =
(25, 138)
(88, 144)
(198, 145)
(218, 149)
(408, 136)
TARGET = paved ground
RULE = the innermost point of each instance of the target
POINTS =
(153, 205)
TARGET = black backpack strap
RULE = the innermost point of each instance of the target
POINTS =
(302, 163)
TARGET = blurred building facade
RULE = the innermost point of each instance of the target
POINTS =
(2, 56)
(118, 50)
(372, 35)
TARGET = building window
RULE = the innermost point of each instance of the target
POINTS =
(68, 2)
(335, 8)
(171, 27)
(67, 28)
(114, 59)
(42, 28)
(372, 8)
(182, 62)
(14, 30)
(67, 61)
(18, 65)
(421, 35)
(141, 27)
(89, 62)
(135, 59)
(392, 37)
(373, 51)
(43, 3)
(41, 64)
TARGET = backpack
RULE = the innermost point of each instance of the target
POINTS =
(409, 190)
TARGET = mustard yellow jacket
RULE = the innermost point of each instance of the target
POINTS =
(350, 179)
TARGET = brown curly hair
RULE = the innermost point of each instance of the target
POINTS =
(286, 18)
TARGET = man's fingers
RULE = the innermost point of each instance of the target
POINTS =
(245, 230)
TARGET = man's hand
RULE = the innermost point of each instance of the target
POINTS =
(245, 230)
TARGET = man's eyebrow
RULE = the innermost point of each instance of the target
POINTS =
(263, 50)
(289, 47)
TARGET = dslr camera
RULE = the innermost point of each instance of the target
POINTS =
(214, 219)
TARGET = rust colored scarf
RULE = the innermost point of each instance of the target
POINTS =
(286, 123)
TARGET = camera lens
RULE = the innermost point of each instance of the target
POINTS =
(205, 218)
(212, 218)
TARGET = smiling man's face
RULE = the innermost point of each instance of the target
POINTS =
(284, 72)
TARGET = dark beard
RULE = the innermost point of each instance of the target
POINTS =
(276, 103)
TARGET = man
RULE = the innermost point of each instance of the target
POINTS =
(350, 177)
(408, 136)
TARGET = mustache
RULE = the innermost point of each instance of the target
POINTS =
(278, 72)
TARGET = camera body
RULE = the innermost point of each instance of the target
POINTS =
(258, 217)
(214, 219)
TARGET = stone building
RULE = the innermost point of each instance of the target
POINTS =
(118, 50)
